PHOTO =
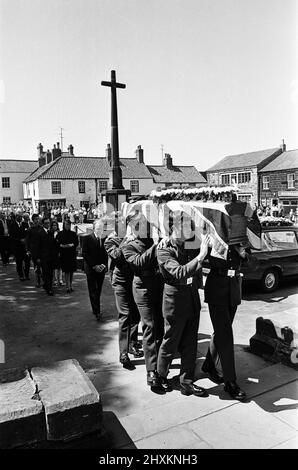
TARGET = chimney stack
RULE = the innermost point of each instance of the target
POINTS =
(49, 156)
(56, 151)
(41, 155)
(283, 146)
(70, 149)
(139, 154)
(167, 160)
(109, 153)
(39, 150)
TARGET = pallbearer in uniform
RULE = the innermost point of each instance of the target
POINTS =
(181, 304)
(140, 253)
(121, 279)
(223, 295)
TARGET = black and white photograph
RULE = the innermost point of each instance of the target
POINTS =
(149, 229)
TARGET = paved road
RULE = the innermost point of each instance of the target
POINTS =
(38, 329)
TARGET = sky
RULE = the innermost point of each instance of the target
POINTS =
(204, 78)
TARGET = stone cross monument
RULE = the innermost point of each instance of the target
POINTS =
(116, 194)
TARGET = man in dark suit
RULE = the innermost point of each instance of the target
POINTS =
(32, 246)
(45, 254)
(4, 239)
(17, 232)
(223, 295)
(95, 263)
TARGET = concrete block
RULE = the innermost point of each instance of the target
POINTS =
(72, 404)
(21, 415)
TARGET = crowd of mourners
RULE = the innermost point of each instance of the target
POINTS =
(155, 282)
(38, 241)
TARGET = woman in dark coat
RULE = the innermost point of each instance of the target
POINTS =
(68, 241)
(56, 255)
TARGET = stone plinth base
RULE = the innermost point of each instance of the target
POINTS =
(21, 411)
(57, 402)
(112, 199)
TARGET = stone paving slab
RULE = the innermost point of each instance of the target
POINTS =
(244, 426)
(290, 444)
(71, 402)
(178, 437)
(266, 379)
(282, 403)
(21, 416)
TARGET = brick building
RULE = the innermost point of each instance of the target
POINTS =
(243, 170)
(62, 178)
(12, 175)
(278, 182)
(167, 175)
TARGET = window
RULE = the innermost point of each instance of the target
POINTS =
(81, 185)
(234, 178)
(225, 179)
(283, 240)
(6, 200)
(266, 180)
(103, 185)
(5, 182)
(290, 180)
(244, 177)
(134, 186)
(56, 187)
(244, 197)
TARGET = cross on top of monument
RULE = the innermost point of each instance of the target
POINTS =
(115, 179)
(113, 83)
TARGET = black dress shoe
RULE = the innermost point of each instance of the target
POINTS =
(165, 384)
(213, 374)
(126, 362)
(191, 389)
(153, 379)
(136, 352)
(98, 318)
(235, 391)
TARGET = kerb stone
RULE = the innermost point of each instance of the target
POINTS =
(21, 412)
(71, 403)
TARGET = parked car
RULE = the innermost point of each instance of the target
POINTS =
(277, 259)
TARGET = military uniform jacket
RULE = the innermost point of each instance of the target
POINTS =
(141, 256)
(180, 274)
(220, 289)
(120, 271)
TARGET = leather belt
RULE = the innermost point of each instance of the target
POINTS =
(226, 272)
(181, 282)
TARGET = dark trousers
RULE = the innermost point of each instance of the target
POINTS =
(129, 316)
(181, 331)
(22, 263)
(95, 282)
(220, 354)
(47, 274)
(148, 298)
(4, 249)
